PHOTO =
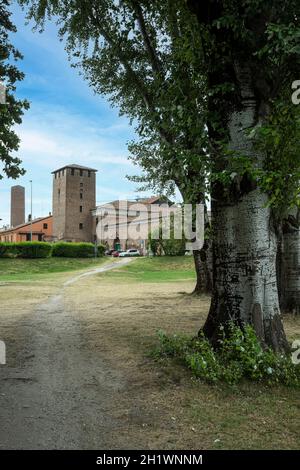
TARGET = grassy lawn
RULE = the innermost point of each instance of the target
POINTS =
(155, 269)
(26, 269)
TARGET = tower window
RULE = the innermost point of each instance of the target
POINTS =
(81, 185)
(58, 192)
(45, 226)
(72, 172)
(80, 208)
(80, 226)
(81, 173)
(63, 172)
(81, 195)
(89, 174)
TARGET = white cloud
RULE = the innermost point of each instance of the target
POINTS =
(52, 137)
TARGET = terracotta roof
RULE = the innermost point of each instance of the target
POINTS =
(147, 201)
(77, 167)
(17, 227)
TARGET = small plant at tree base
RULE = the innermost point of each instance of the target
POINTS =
(239, 356)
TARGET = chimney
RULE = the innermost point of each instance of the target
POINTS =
(17, 206)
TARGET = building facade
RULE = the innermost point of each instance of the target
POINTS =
(41, 231)
(74, 198)
(124, 224)
(17, 206)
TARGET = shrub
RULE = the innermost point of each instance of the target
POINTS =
(240, 355)
(77, 250)
(7, 250)
(101, 250)
(33, 249)
(173, 247)
(25, 250)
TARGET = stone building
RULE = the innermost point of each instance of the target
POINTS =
(125, 224)
(74, 198)
(17, 206)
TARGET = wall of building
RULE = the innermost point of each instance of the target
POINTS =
(41, 228)
(74, 197)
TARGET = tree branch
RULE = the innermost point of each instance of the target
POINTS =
(155, 63)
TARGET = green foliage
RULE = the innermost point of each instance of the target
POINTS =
(165, 239)
(12, 110)
(173, 247)
(239, 356)
(8, 250)
(25, 250)
(153, 245)
(101, 250)
(257, 39)
(76, 250)
(33, 249)
(146, 57)
(45, 250)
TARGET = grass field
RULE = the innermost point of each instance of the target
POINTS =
(26, 269)
(156, 269)
(154, 404)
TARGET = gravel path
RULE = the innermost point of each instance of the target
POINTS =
(54, 392)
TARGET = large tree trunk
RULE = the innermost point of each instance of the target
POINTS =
(244, 270)
(289, 264)
(244, 241)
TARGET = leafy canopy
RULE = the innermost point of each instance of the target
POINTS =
(12, 110)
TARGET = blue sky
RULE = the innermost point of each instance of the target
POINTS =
(66, 124)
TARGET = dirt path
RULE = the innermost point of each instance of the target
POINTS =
(53, 392)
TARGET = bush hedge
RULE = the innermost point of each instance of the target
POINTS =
(44, 250)
(25, 250)
(33, 249)
(76, 250)
(7, 250)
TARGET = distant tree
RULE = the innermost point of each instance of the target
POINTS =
(11, 109)
(174, 244)
(288, 263)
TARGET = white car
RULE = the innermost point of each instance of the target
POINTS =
(130, 252)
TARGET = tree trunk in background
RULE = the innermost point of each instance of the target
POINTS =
(244, 241)
(203, 263)
(289, 264)
(203, 271)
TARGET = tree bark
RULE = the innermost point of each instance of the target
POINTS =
(289, 264)
(244, 240)
(203, 262)
(203, 271)
(244, 271)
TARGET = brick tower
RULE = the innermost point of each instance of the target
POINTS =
(17, 206)
(74, 197)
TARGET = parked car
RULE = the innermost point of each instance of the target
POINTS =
(116, 254)
(130, 252)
